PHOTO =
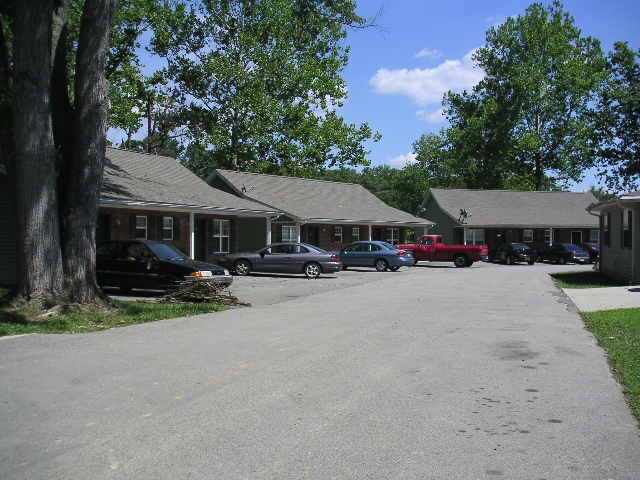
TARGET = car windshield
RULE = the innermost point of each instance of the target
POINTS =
(387, 245)
(520, 246)
(574, 248)
(165, 251)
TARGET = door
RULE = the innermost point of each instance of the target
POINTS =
(275, 259)
(313, 234)
(576, 237)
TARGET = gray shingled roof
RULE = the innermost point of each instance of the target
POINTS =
(138, 179)
(318, 201)
(503, 208)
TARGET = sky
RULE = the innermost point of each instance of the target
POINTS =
(399, 70)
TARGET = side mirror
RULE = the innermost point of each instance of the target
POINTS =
(262, 254)
(149, 264)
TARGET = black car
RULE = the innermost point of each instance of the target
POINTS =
(593, 249)
(150, 264)
(289, 257)
(564, 253)
(511, 253)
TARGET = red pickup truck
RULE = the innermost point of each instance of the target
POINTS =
(432, 248)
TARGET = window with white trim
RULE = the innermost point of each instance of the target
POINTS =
(337, 234)
(141, 227)
(527, 235)
(393, 236)
(594, 235)
(355, 234)
(220, 235)
(474, 236)
(167, 228)
(289, 233)
(627, 222)
(548, 240)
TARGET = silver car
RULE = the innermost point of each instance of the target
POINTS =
(284, 258)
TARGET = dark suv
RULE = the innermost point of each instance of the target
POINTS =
(150, 264)
(564, 253)
(511, 253)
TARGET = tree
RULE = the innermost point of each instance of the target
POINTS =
(58, 141)
(527, 123)
(618, 121)
(258, 83)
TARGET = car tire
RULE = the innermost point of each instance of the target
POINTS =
(509, 260)
(562, 261)
(242, 267)
(312, 270)
(469, 263)
(415, 261)
(381, 265)
(344, 267)
(460, 260)
(394, 269)
(531, 261)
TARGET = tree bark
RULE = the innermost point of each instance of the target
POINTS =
(84, 179)
(39, 257)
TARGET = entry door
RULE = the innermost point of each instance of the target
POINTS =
(313, 235)
(200, 230)
(576, 237)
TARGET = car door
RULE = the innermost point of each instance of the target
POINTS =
(295, 261)
(133, 265)
(371, 252)
(348, 255)
(276, 258)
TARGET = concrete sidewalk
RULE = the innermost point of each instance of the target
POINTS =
(607, 298)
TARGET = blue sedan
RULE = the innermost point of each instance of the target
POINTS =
(380, 255)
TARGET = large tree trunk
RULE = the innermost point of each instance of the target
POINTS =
(40, 259)
(84, 171)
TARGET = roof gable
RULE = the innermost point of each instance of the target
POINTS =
(143, 179)
(517, 208)
(317, 201)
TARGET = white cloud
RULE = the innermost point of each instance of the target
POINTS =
(427, 85)
(431, 116)
(402, 160)
(428, 53)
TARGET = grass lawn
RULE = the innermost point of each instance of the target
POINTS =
(589, 279)
(15, 322)
(618, 331)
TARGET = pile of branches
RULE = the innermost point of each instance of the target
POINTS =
(202, 291)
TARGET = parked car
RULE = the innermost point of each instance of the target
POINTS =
(511, 253)
(593, 249)
(564, 253)
(432, 248)
(288, 257)
(150, 264)
(380, 255)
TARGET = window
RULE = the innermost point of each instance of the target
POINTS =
(606, 221)
(355, 234)
(594, 235)
(289, 233)
(220, 233)
(547, 237)
(141, 227)
(527, 235)
(576, 237)
(393, 236)
(627, 224)
(426, 241)
(337, 234)
(474, 236)
(167, 228)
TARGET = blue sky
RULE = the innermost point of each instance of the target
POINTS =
(398, 71)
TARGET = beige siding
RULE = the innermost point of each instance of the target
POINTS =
(616, 260)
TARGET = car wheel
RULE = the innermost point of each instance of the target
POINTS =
(394, 269)
(509, 260)
(242, 267)
(460, 260)
(381, 265)
(469, 263)
(531, 261)
(562, 261)
(344, 267)
(312, 270)
(415, 261)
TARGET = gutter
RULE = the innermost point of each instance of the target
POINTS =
(139, 204)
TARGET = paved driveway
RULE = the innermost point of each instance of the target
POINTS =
(435, 373)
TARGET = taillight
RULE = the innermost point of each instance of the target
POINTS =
(335, 257)
(401, 253)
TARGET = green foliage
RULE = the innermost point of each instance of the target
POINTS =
(527, 124)
(16, 322)
(258, 82)
(618, 332)
(618, 121)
